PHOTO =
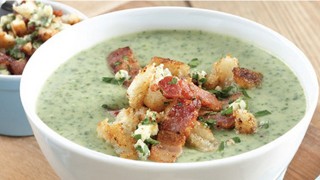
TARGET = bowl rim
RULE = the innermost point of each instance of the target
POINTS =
(99, 156)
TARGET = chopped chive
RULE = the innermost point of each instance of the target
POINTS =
(203, 80)
(194, 62)
(112, 80)
(244, 92)
(262, 113)
(146, 121)
(221, 146)
(152, 141)
(222, 94)
(173, 81)
(236, 139)
(137, 136)
(227, 111)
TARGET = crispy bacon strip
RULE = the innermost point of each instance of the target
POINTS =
(180, 88)
(207, 99)
(123, 59)
(179, 120)
(172, 88)
(222, 122)
(181, 116)
(169, 148)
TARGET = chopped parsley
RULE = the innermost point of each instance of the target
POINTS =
(222, 94)
(227, 111)
(194, 62)
(112, 80)
(236, 139)
(173, 81)
(152, 141)
(221, 146)
(262, 113)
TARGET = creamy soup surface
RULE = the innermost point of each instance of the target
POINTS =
(70, 102)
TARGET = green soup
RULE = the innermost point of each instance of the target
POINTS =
(70, 102)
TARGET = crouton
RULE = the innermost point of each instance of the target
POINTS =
(119, 133)
(245, 122)
(202, 139)
(176, 68)
(221, 73)
(6, 40)
(139, 87)
(19, 27)
(247, 78)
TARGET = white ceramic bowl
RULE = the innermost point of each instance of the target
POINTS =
(13, 121)
(72, 161)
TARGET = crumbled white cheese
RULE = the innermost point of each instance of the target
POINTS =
(238, 104)
(26, 9)
(151, 114)
(122, 75)
(146, 131)
(142, 150)
(160, 73)
(147, 128)
(5, 20)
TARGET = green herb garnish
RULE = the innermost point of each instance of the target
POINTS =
(262, 113)
(112, 80)
(194, 62)
(227, 111)
(236, 139)
(137, 136)
(222, 94)
(152, 141)
(221, 146)
(244, 92)
(173, 81)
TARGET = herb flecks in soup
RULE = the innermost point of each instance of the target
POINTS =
(71, 100)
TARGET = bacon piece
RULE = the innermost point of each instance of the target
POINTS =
(180, 88)
(180, 117)
(123, 59)
(172, 87)
(176, 68)
(16, 67)
(5, 60)
(224, 122)
(207, 99)
(246, 78)
(169, 148)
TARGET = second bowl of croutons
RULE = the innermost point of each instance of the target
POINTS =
(22, 32)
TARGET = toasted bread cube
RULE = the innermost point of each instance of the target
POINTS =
(19, 27)
(245, 122)
(176, 68)
(6, 41)
(221, 73)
